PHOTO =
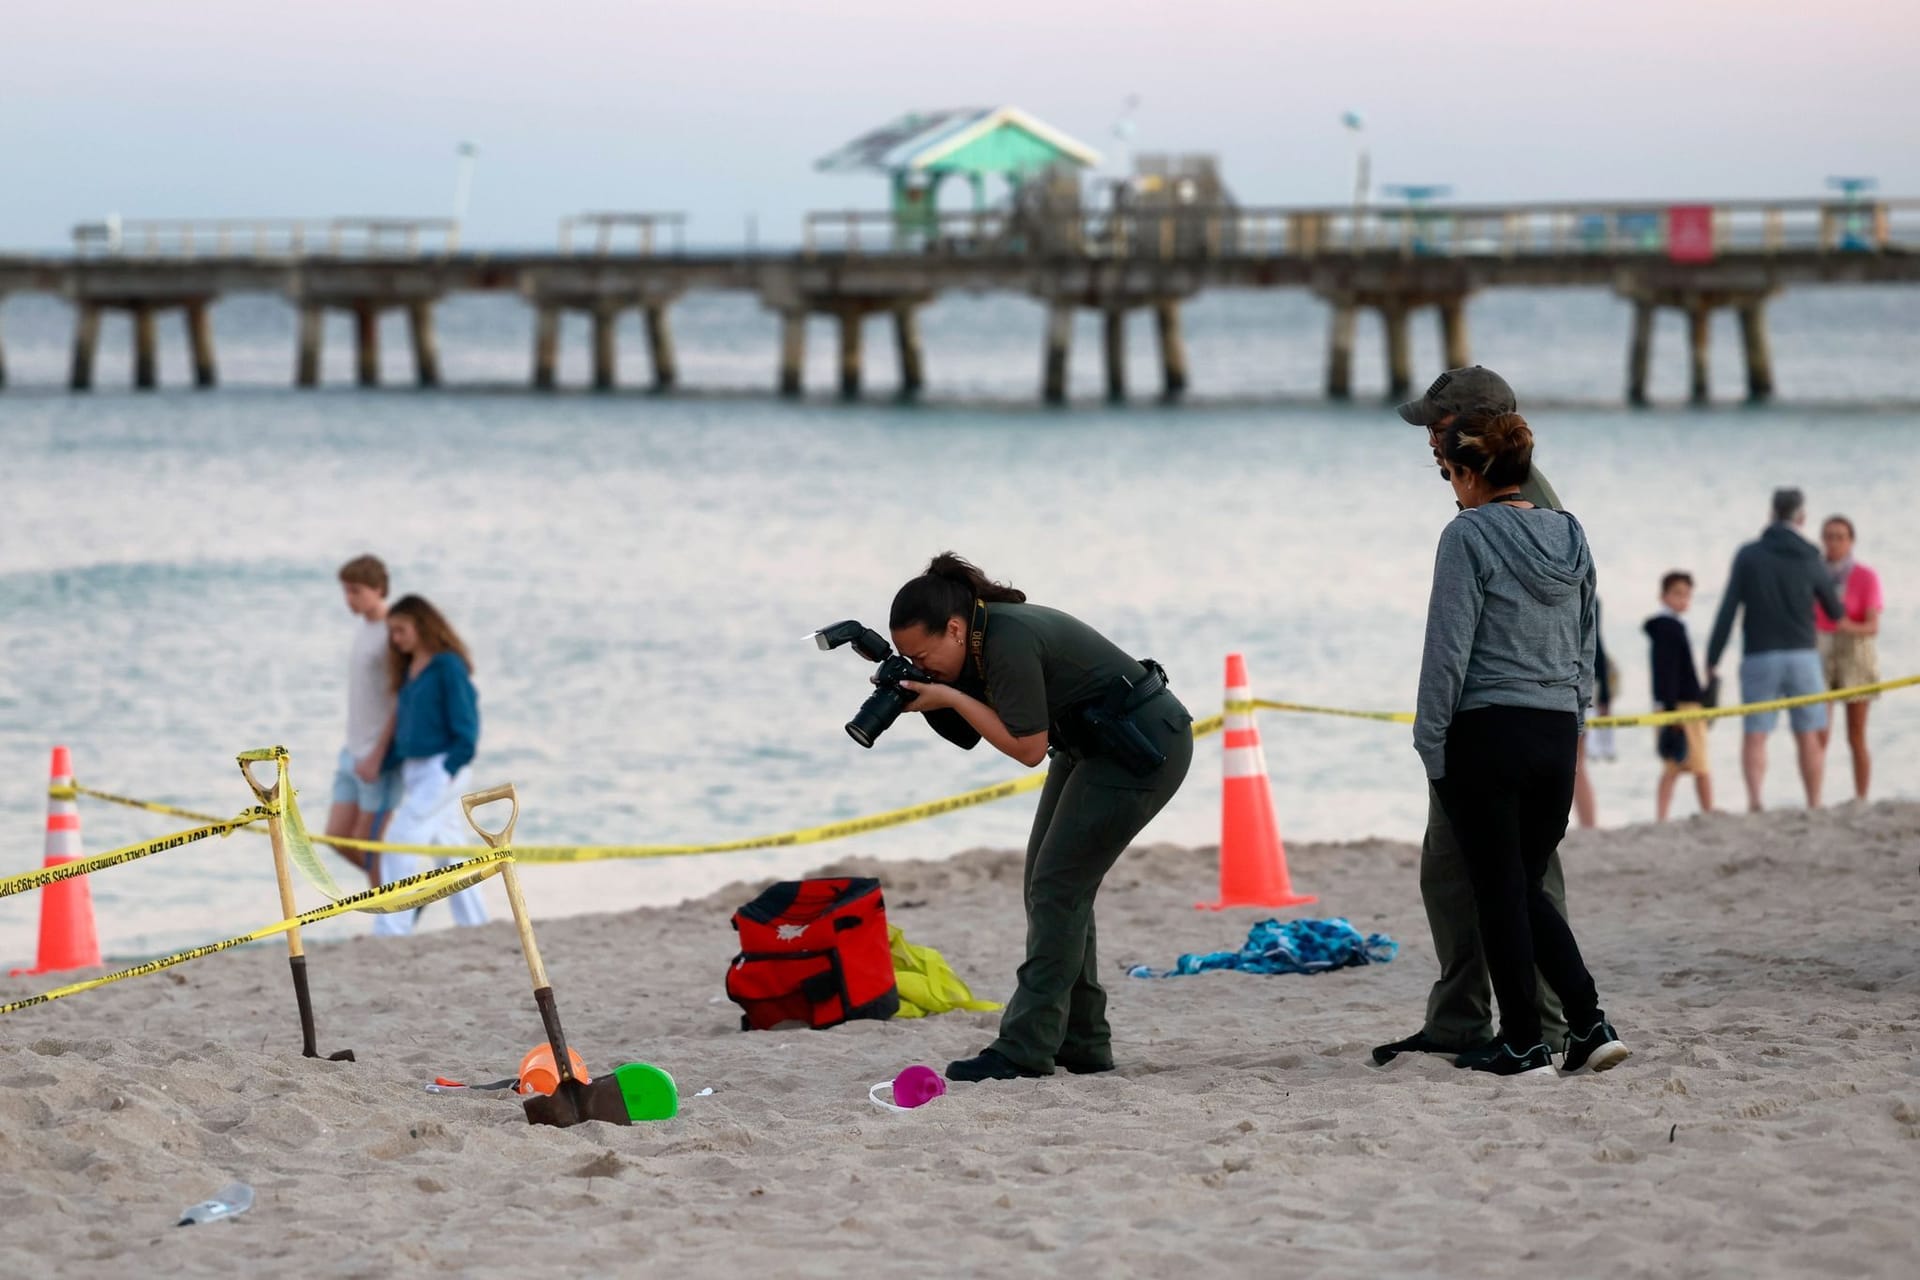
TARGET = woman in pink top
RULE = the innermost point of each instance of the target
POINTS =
(1847, 646)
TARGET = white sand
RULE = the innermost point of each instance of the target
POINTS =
(1763, 970)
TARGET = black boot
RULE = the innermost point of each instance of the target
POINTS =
(990, 1065)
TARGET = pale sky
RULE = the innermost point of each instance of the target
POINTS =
(718, 108)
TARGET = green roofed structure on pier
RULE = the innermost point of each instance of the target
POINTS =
(921, 149)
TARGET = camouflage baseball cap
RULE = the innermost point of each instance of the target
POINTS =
(1457, 391)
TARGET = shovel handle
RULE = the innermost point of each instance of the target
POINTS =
(251, 758)
(474, 799)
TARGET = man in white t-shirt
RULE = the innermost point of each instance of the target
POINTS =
(363, 791)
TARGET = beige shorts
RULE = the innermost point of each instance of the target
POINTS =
(1694, 733)
(1849, 661)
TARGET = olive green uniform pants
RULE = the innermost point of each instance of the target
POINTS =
(1090, 810)
(1460, 1007)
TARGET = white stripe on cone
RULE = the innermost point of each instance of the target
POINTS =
(1245, 762)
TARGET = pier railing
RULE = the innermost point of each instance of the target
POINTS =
(1657, 230)
(266, 238)
(600, 234)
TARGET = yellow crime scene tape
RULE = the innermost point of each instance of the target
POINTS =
(1650, 719)
(413, 891)
(1660, 719)
(935, 808)
(151, 806)
(430, 886)
(128, 853)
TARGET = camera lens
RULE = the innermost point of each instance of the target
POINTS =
(876, 715)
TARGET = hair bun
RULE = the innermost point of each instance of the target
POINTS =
(1507, 435)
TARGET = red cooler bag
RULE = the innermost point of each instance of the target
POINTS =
(813, 951)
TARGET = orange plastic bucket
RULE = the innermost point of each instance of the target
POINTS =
(539, 1074)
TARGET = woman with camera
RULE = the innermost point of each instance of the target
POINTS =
(1035, 682)
(1507, 669)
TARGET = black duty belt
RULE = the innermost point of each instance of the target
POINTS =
(1151, 686)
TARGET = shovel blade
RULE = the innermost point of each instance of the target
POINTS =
(575, 1103)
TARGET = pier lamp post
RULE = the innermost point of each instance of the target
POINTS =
(1124, 129)
(462, 183)
(1356, 125)
(1853, 219)
(1418, 215)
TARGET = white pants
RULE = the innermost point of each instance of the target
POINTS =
(429, 813)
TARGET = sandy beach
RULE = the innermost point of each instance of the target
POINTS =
(1762, 969)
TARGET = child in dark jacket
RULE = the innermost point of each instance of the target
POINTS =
(1676, 687)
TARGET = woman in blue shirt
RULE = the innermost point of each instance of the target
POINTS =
(436, 726)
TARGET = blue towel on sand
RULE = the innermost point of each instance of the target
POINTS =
(1298, 946)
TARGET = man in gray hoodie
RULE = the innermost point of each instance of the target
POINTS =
(1777, 578)
(1460, 1006)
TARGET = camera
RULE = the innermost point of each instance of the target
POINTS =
(877, 714)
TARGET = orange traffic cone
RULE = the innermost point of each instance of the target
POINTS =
(1253, 862)
(67, 937)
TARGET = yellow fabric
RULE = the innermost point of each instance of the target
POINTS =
(927, 982)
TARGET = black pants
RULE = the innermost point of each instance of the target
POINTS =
(1508, 788)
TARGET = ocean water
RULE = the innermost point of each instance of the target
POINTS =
(636, 575)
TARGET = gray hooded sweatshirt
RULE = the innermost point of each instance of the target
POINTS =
(1511, 621)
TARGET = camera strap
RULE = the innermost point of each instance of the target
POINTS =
(977, 639)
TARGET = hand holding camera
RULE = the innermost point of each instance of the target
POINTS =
(897, 681)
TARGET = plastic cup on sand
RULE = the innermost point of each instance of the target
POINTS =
(914, 1087)
(538, 1074)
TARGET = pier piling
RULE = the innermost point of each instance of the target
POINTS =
(86, 342)
(1640, 352)
(1340, 351)
(1173, 349)
(426, 347)
(146, 349)
(1753, 337)
(366, 344)
(200, 344)
(1699, 349)
(606, 350)
(306, 360)
(851, 331)
(906, 336)
(793, 352)
(1059, 345)
(660, 347)
(1393, 318)
(1453, 331)
(1116, 353)
(546, 347)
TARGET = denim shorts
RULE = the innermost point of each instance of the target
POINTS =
(369, 797)
(1784, 673)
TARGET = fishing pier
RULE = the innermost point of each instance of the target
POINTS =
(1400, 262)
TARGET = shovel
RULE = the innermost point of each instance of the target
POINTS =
(296, 952)
(571, 1102)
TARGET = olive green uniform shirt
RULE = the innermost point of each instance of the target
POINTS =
(1537, 491)
(1041, 661)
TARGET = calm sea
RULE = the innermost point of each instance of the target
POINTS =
(636, 575)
